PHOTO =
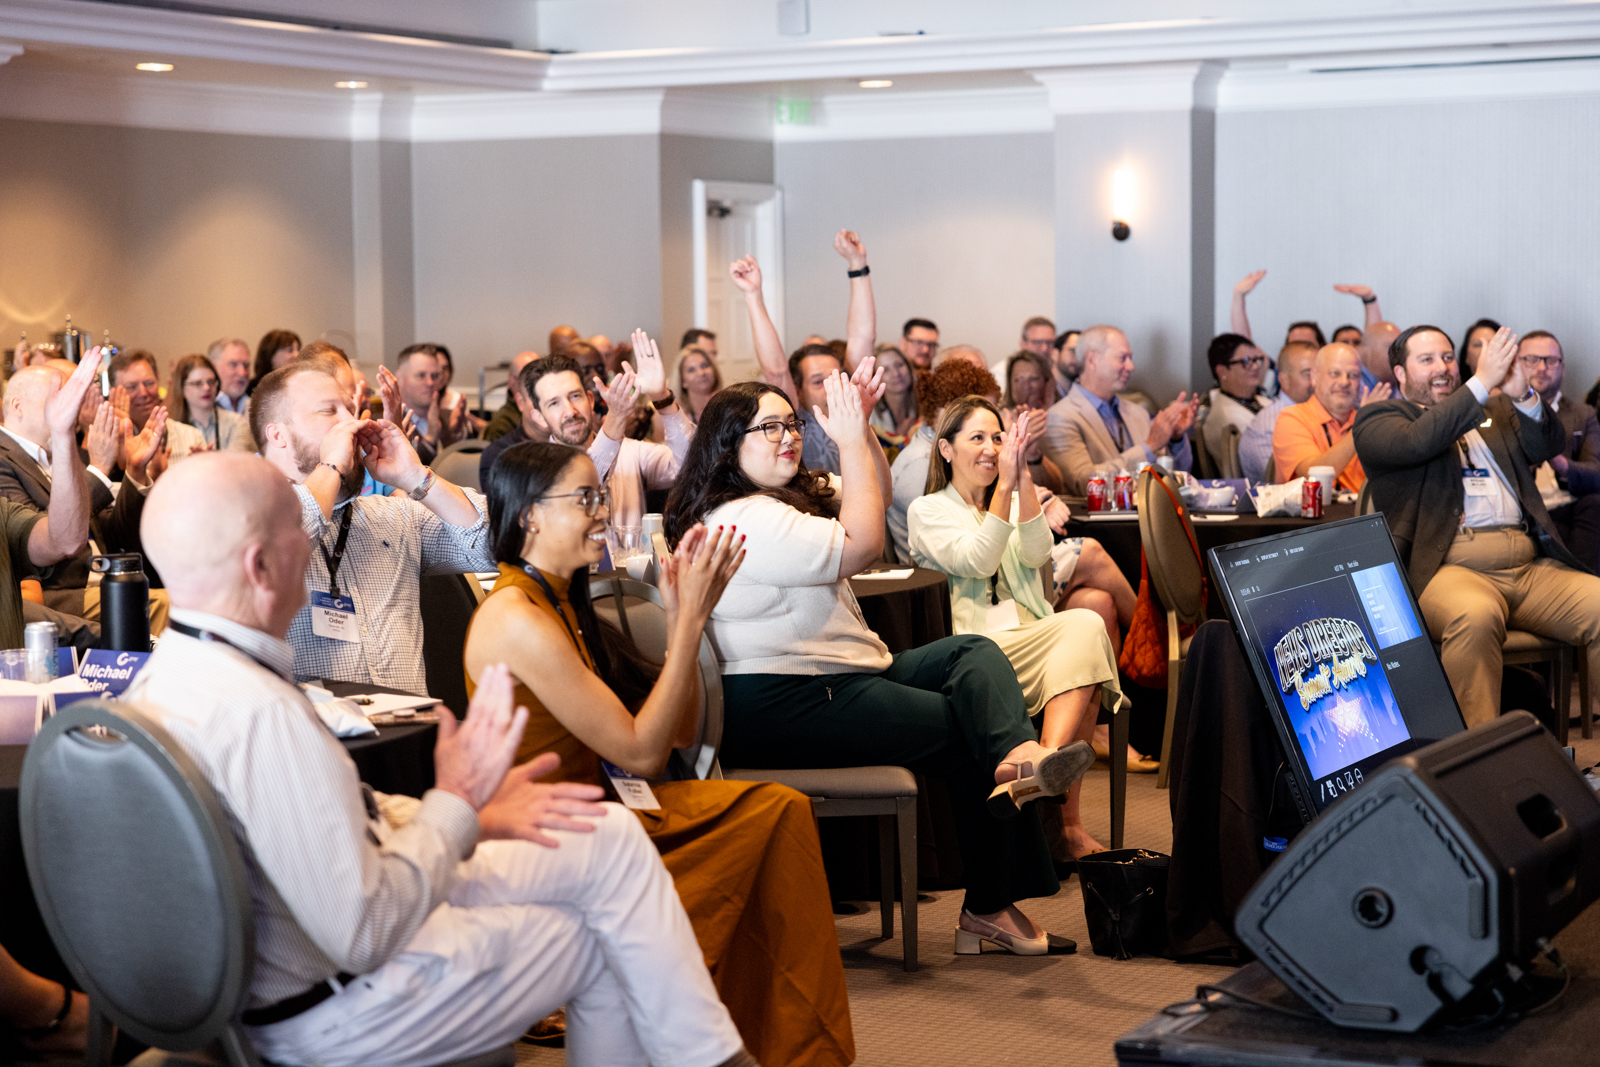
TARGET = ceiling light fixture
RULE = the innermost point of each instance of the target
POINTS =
(153, 66)
(349, 85)
(876, 83)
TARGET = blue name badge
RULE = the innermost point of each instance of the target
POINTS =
(108, 672)
(334, 617)
(1477, 481)
(634, 792)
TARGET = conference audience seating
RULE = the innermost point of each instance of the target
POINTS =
(458, 463)
(446, 602)
(142, 887)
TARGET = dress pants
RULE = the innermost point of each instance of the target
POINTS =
(595, 925)
(950, 709)
(1494, 581)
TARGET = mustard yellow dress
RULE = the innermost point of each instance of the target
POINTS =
(748, 867)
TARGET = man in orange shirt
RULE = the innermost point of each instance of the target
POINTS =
(1317, 433)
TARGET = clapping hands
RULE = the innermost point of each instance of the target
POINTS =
(846, 420)
(693, 577)
(649, 372)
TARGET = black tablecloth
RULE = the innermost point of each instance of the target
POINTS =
(907, 612)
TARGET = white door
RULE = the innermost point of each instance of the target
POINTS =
(734, 219)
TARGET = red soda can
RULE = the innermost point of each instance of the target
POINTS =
(1122, 493)
(1095, 490)
(1310, 499)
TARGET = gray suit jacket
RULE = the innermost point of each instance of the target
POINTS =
(1409, 454)
(1077, 441)
(1582, 446)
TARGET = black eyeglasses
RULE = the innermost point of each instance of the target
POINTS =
(775, 429)
(1540, 361)
(589, 498)
(1248, 361)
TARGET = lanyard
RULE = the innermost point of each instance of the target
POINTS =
(334, 560)
(555, 602)
(207, 635)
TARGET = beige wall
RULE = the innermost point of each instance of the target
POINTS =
(172, 239)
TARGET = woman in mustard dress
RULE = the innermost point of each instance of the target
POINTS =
(744, 855)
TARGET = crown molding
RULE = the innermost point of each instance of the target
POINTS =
(530, 116)
(1131, 87)
(891, 116)
(254, 41)
(1173, 40)
(733, 116)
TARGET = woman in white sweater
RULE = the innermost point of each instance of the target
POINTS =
(980, 522)
(807, 684)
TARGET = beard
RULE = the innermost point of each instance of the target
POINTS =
(572, 432)
(308, 456)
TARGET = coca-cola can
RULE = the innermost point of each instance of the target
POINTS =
(1310, 499)
(1095, 490)
(1122, 493)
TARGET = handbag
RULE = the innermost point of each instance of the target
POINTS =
(1143, 659)
(1125, 901)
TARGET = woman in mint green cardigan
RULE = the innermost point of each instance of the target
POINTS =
(980, 522)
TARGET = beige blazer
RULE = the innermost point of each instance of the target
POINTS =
(1076, 438)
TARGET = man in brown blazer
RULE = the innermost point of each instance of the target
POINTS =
(1451, 468)
(1570, 485)
(1091, 427)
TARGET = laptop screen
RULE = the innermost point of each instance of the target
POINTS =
(1340, 651)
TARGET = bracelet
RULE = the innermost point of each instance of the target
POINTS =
(331, 467)
(424, 486)
(1373, 299)
(862, 273)
(664, 403)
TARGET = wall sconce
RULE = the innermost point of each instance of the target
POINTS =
(1121, 201)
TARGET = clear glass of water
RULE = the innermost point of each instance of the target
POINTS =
(14, 664)
(629, 550)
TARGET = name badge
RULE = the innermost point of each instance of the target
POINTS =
(631, 789)
(1001, 616)
(334, 617)
(1479, 482)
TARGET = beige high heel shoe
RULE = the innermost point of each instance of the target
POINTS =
(1049, 776)
(970, 942)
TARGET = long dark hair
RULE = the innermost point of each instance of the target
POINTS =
(711, 475)
(271, 341)
(521, 475)
(1466, 342)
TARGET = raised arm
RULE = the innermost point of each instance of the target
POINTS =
(861, 322)
(65, 528)
(390, 459)
(861, 509)
(1238, 320)
(770, 355)
(1369, 301)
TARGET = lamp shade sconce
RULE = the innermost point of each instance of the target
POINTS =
(1121, 201)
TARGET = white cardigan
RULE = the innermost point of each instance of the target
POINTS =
(947, 535)
(787, 611)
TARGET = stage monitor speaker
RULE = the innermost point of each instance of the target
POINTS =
(1416, 898)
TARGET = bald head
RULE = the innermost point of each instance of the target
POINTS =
(518, 361)
(967, 352)
(1294, 370)
(1105, 361)
(22, 410)
(1375, 342)
(561, 337)
(1336, 379)
(224, 531)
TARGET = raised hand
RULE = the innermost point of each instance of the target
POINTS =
(521, 809)
(746, 274)
(650, 373)
(389, 390)
(159, 463)
(386, 453)
(848, 244)
(119, 400)
(1013, 463)
(1057, 514)
(1244, 285)
(868, 384)
(138, 449)
(1381, 391)
(340, 450)
(471, 759)
(61, 402)
(845, 421)
(1498, 364)
(1362, 291)
(669, 569)
(103, 439)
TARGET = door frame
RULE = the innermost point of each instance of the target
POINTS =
(769, 240)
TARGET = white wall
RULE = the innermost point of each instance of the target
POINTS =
(1450, 211)
(960, 230)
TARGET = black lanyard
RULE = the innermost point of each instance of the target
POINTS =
(555, 602)
(334, 560)
(207, 635)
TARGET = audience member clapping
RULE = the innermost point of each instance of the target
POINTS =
(908, 475)
(193, 391)
(597, 702)
(1316, 433)
(136, 396)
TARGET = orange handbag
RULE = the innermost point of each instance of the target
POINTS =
(1144, 651)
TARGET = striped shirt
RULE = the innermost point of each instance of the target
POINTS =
(333, 885)
(393, 542)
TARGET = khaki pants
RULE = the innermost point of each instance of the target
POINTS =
(159, 606)
(1494, 581)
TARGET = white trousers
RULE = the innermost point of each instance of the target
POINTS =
(595, 925)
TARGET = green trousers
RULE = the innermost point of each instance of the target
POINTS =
(951, 709)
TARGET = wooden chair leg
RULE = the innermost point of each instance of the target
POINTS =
(1174, 671)
(886, 837)
(906, 818)
(1119, 774)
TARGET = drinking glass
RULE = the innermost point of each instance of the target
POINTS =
(629, 552)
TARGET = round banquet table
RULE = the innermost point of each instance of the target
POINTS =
(907, 612)
(1120, 537)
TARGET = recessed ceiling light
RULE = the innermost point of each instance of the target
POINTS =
(153, 66)
(349, 85)
(876, 83)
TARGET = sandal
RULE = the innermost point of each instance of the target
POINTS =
(1050, 775)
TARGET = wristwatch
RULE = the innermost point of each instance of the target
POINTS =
(424, 486)
(664, 403)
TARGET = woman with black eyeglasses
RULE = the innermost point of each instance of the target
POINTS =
(192, 398)
(744, 855)
(1239, 366)
(807, 684)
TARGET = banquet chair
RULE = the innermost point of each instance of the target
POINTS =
(446, 602)
(890, 793)
(1227, 464)
(458, 464)
(142, 887)
(1178, 580)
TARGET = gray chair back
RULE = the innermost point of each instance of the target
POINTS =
(138, 876)
(458, 464)
(1364, 504)
(446, 602)
(635, 607)
(1167, 538)
(1227, 464)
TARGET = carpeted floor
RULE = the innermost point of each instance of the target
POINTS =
(961, 1010)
